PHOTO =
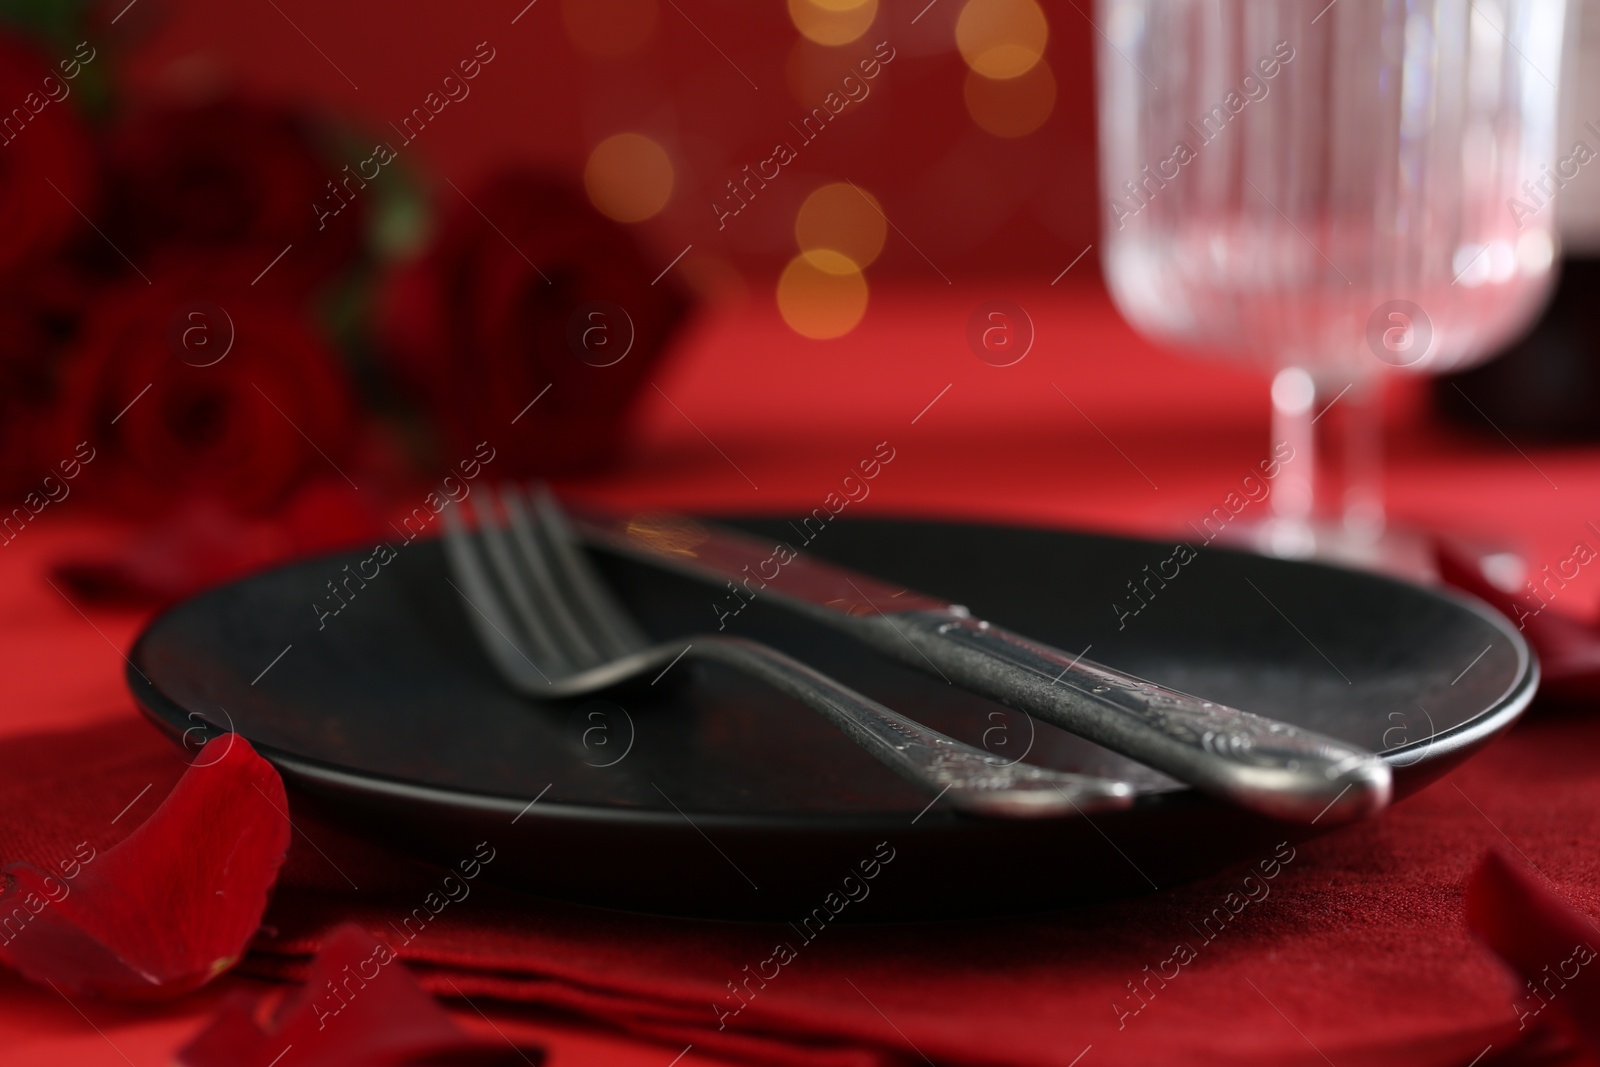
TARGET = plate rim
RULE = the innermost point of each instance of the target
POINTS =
(166, 713)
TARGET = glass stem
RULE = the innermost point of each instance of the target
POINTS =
(1328, 440)
(1361, 427)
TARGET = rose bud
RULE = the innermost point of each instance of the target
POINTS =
(529, 293)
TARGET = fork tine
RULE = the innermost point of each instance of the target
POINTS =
(546, 590)
(514, 586)
(621, 635)
(487, 613)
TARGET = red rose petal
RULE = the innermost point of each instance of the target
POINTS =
(358, 1008)
(1543, 939)
(170, 907)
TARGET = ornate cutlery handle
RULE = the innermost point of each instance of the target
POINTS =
(974, 780)
(1271, 767)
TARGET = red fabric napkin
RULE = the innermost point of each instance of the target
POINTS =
(358, 1007)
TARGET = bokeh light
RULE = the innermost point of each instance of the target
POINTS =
(609, 28)
(1002, 38)
(1011, 107)
(629, 177)
(833, 22)
(822, 294)
(839, 219)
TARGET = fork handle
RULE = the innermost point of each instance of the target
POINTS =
(1271, 767)
(973, 780)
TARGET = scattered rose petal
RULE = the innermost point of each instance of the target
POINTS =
(358, 1008)
(1551, 946)
(170, 907)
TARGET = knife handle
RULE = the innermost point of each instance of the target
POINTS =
(1271, 767)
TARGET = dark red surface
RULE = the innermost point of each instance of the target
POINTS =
(1359, 952)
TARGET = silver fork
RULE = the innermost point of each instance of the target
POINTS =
(552, 629)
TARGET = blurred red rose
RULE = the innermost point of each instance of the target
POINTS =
(194, 387)
(25, 344)
(525, 287)
(46, 162)
(46, 167)
(232, 175)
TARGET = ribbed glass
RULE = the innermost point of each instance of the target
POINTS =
(1275, 172)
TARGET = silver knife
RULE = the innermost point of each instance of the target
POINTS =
(1271, 767)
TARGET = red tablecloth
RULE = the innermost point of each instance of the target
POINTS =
(1359, 955)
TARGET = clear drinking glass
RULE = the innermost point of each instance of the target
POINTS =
(1330, 191)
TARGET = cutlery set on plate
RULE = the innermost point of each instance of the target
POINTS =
(553, 629)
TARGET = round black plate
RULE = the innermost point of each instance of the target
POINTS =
(705, 793)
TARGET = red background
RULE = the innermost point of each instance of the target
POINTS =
(976, 204)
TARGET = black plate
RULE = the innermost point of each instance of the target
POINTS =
(708, 794)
